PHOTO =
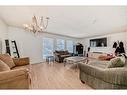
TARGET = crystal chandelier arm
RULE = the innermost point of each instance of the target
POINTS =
(43, 24)
(34, 21)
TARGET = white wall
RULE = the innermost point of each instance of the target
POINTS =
(3, 34)
(110, 39)
(30, 44)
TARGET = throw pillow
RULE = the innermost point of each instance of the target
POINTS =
(6, 58)
(116, 62)
(125, 56)
(66, 52)
(3, 66)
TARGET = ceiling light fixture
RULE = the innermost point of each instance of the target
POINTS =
(35, 26)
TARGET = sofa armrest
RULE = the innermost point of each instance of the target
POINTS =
(15, 79)
(116, 75)
(21, 61)
(8, 75)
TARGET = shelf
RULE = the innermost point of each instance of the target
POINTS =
(13, 48)
(7, 46)
(15, 52)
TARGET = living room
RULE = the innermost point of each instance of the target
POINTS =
(50, 51)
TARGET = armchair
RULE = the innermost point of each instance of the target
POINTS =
(17, 77)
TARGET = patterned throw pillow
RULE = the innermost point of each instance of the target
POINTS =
(3, 66)
(116, 62)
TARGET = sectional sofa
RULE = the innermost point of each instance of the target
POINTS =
(98, 76)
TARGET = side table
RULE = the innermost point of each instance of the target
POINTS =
(50, 59)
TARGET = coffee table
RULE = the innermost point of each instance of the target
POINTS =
(74, 60)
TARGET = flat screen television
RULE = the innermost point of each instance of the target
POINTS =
(99, 42)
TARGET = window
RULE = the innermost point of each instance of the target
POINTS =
(48, 45)
(69, 45)
(60, 44)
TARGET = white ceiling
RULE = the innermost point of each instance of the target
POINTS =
(74, 21)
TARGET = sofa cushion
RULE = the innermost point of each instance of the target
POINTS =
(100, 64)
(62, 52)
(94, 68)
(117, 62)
(3, 66)
(65, 55)
(6, 58)
(21, 67)
(66, 52)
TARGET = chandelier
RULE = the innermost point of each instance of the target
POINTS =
(35, 26)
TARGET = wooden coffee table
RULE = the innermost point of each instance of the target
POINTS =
(74, 60)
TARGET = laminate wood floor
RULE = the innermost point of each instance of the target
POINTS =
(55, 76)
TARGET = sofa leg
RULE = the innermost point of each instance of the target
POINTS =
(83, 82)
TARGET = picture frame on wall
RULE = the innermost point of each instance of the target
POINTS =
(99, 42)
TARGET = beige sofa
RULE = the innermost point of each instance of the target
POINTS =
(98, 76)
(18, 76)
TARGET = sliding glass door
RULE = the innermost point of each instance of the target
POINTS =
(48, 47)
(69, 45)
